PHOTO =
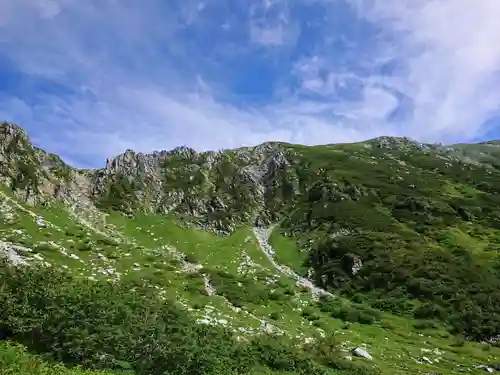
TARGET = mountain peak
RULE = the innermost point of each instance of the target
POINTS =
(13, 129)
(13, 136)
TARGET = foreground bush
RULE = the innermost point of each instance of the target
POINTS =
(15, 360)
(127, 327)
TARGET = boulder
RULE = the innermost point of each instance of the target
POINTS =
(351, 263)
(359, 352)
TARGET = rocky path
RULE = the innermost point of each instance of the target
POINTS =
(262, 235)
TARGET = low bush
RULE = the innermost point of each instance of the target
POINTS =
(15, 360)
(353, 313)
(126, 327)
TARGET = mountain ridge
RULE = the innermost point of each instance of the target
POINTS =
(145, 168)
(384, 226)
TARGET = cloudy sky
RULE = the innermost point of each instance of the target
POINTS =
(89, 79)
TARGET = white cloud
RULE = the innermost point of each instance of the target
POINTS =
(452, 56)
(10, 11)
(48, 8)
(132, 76)
(270, 23)
(268, 35)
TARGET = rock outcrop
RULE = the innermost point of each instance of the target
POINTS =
(217, 190)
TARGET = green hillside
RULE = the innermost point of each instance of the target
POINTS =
(277, 259)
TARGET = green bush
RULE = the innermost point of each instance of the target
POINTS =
(242, 291)
(15, 360)
(424, 324)
(106, 241)
(275, 315)
(105, 325)
(310, 314)
(126, 326)
(354, 313)
(84, 246)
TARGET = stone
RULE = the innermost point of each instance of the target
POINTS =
(10, 252)
(359, 352)
(40, 222)
(351, 263)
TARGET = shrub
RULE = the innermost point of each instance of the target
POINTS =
(355, 313)
(84, 246)
(125, 326)
(424, 324)
(15, 360)
(310, 314)
(275, 315)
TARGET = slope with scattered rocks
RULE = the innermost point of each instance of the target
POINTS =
(388, 245)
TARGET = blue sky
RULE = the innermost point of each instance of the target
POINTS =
(89, 79)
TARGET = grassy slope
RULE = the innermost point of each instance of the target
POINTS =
(396, 345)
(15, 360)
(423, 223)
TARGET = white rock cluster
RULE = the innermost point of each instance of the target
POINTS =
(262, 235)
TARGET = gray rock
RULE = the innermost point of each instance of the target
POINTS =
(351, 263)
(11, 253)
(358, 352)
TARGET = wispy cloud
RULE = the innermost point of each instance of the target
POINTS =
(449, 59)
(271, 23)
(92, 78)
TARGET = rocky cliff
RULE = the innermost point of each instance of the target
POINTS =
(218, 190)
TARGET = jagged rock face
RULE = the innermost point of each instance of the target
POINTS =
(137, 172)
(216, 189)
(20, 166)
(36, 177)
